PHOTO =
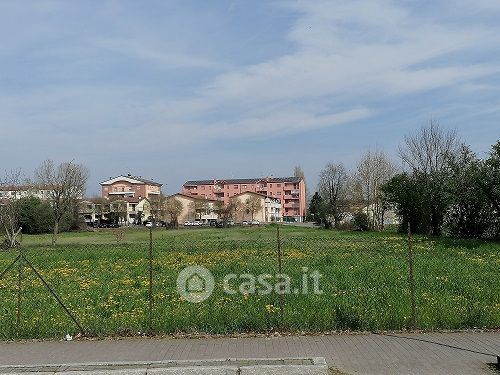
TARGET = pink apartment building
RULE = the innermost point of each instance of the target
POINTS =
(290, 191)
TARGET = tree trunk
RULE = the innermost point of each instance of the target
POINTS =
(56, 231)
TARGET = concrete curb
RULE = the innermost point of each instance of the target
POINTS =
(230, 366)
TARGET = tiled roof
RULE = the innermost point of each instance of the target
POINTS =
(243, 181)
(137, 178)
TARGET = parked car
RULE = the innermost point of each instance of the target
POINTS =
(255, 222)
(219, 224)
(197, 223)
(148, 224)
(188, 223)
(244, 222)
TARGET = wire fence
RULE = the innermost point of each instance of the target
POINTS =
(283, 283)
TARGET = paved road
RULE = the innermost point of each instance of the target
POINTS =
(355, 354)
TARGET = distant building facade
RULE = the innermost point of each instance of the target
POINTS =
(290, 191)
(24, 191)
(124, 196)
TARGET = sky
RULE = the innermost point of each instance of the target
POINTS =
(183, 90)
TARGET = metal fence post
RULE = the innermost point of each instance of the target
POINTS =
(280, 271)
(19, 291)
(150, 291)
(411, 280)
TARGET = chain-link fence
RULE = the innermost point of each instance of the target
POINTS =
(283, 282)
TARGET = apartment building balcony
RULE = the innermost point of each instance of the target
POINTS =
(294, 197)
(124, 193)
(292, 205)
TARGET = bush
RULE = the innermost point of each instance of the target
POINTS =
(35, 215)
(360, 222)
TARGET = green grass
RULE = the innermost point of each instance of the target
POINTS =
(365, 282)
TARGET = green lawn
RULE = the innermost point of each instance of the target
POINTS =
(365, 282)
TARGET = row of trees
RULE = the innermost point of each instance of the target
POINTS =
(441, 187)
(169, 209)
(59, 189)
(342, 193)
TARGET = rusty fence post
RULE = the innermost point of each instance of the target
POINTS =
(411, 281)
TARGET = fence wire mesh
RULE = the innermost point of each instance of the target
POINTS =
(365, 285)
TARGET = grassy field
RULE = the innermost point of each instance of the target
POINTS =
(103, 278)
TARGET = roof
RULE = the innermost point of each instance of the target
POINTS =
(193, 197)
(24, 187)
(243, 181)
(131, 179)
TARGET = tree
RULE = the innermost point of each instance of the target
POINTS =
(317, 209)
(334, 189)
(252, 205)
(469, 211)
(118, 209)
(407, 193)
(427, 154)
(157, 205)
(65, 184)
(490, 181)
(199, 207)
(9, 214)
(173, 208)
(227, 212)
(35, 215)
(429, 150)
(373, 171)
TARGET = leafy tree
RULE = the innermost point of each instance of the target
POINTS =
(317, 209)
(408, 194)
(35, 215)
(428, 153)
(469, 211)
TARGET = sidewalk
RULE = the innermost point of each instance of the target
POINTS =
(432, 353)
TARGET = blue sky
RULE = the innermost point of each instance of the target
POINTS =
(178, 90)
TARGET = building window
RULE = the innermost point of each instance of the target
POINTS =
(278, 193)
(203, 188)
(244, 186)
(270, 185)
(227, 195)
(278, 185)
(236, 186)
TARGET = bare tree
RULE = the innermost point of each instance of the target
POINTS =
(199, 207)
(119, 209)
(373, 171)
(157, 207)
(253, 205)
(173, 208)
(430, 149)
(9, 216)
(65, 184)
(428, 153)
(333, 187)
(229, 211)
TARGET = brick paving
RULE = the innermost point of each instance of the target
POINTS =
(431, 353)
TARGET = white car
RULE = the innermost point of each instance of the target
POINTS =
(197, 223)
(188, 223)
(149, 224)
(255, 222)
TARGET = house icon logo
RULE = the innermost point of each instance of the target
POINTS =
(195, 284)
